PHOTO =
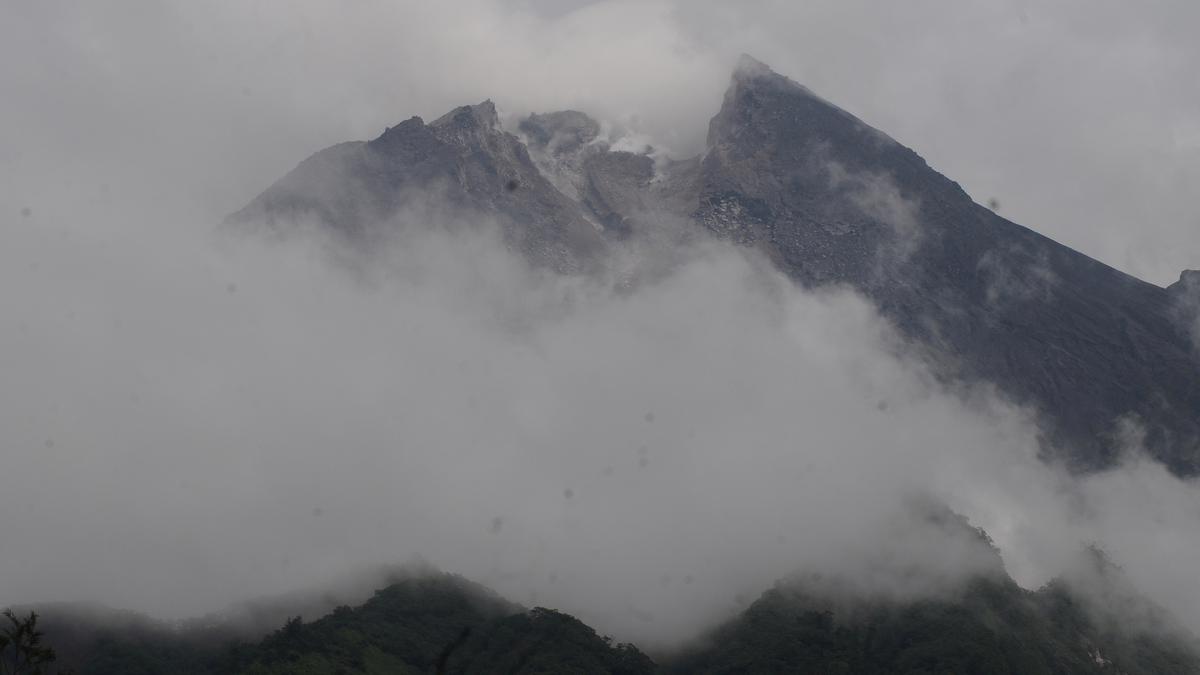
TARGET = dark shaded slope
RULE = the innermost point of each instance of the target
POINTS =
(422, 624)
(833, 200)
(441, 624)
(1092, 621)
(994, 627)
(830, 200)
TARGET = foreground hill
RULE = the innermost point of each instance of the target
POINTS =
(993, 627)
(1087, 623)
(422, 624)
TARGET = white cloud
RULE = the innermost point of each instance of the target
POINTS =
(185, 427)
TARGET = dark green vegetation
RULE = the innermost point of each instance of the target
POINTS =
(21, 648)
(994, 627)
(1091, 620)
(443, 623)
(436, 623)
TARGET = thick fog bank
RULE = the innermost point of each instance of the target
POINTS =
(192, 420)
(187, 421)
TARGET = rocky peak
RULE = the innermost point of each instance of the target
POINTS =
(780, 154)
(468, 125)
(763, 107)
(482, 115)
(749, 72)
(1185, 304)
(408, 140)
(756, 94)
(749, 67)
(829, 200)
(1189, 283)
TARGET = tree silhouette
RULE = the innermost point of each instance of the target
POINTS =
(21, 650)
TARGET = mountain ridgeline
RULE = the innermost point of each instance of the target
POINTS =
(829, 200)
(440, 623)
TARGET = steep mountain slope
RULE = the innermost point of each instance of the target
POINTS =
(829, 200)
(461, 163)
(833, 200)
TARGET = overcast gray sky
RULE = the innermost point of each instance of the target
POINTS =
(183, 426)
(1082, 118)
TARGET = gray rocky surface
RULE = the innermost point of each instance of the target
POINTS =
(828, 199)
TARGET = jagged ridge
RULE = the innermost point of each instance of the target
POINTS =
(830, 200)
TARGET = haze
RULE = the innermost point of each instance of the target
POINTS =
(191, 419)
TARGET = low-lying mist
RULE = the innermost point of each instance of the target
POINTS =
(191, 420)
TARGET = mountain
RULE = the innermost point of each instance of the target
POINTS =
(439, 624)
(829, 200)
(1091, 622)
(424, 623)
(836, 201)
(878, 611)
(460, 161)
(993, 626)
